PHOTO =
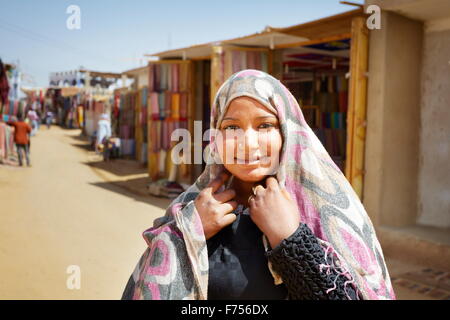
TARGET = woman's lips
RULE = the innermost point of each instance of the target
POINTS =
(253, 161)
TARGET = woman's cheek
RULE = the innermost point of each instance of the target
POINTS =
(270, 144)
(227, 151)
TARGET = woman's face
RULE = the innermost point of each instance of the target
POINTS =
(249, 141)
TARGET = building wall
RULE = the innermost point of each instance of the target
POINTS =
(143, 79)
(434, 164)
(393, 120)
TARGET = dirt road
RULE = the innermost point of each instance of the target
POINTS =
(61, 212)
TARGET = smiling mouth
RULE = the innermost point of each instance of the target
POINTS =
(254, 161)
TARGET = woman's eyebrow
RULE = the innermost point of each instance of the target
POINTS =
(260, 117)
(263, 117)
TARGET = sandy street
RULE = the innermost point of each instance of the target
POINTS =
(62, 212)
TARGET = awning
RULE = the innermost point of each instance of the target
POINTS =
(135, 71)
(201, 51)
(333, 28)
(29, 91)
(70, 91)
(101, 98)
(93, 73)
(266, 39)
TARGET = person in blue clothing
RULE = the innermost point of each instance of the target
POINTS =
(103, 132)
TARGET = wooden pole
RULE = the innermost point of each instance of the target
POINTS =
(216, 71)
(356, 115)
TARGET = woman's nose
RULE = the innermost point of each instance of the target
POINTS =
(251, 139)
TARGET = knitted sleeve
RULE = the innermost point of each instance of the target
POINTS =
(300, 259)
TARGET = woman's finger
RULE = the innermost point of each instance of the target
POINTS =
(272, 183)
(251, 201)
(227, 207)
(286, 193)
(225, 196)
(228, 219)
(258, 189)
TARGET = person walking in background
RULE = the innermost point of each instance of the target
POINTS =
(33, 117)
(48, 119)
(103, 132)
(21, 139)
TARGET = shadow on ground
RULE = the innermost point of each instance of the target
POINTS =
(124, 176)
(79, 138)
(85, 147)
(119, 167)
(127, 187)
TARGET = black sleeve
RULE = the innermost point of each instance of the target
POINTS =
(297, 260)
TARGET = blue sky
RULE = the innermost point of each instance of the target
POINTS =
(115, 34)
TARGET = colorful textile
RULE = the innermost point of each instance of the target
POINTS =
(4, 85)
(175, 264)
(175, 112)
(127, 147)
(241, 60)
(168, 106)
(184, 74)
(183, 106)
(154, 105)
(2, 141)
(161, 105)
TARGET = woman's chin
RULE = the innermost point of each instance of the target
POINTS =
(251, 174)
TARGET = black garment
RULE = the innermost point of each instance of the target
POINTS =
(238, 265)
(297, 260)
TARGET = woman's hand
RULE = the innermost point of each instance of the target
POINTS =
(274, 212)
(214, 208)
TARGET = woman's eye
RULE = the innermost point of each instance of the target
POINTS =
(231, 127)
(266, 126)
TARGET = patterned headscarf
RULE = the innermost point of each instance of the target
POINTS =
(175, 264)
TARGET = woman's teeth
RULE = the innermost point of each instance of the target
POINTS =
(249, 161)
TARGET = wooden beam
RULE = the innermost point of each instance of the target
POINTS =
(338, 37)
(322, 22)
(200, 58)
(242, 48)
(356, 115)
(217, 76)
(352, 4)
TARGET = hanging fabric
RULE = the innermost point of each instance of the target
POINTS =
(168, 104)
(154, 103)
(183, 106)
(165, 135)
(169, 75)
(161, 105)
(162, 161)
(175, 77)
(175, 106)
(258, 59)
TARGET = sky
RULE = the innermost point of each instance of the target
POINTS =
(114, 35)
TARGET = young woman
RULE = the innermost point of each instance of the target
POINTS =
(271, 217)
